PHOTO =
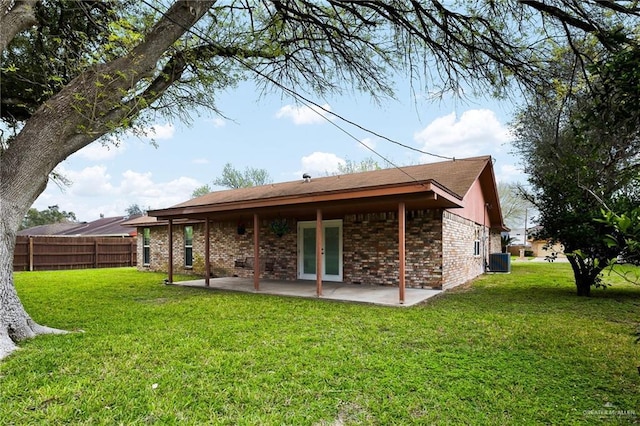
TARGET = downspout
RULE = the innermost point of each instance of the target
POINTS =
(485, 259)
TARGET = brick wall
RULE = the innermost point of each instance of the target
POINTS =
(458, 237)
(159, 248)
(227, 245)
(371, 249)
(277, 254)
(495, 242)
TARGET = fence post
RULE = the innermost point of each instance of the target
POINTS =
(95, 250)
(30, 251)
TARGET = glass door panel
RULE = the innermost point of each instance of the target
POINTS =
(309, 251)
(332, 250)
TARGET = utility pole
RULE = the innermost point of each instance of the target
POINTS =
(525, 226)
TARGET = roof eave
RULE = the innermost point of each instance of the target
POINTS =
(312, 198)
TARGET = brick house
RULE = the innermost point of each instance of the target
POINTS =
(431, 225)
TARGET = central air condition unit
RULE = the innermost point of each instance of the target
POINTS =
(499, 262)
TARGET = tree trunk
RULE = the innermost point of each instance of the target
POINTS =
(15, 323)
(584, 273)
(583, 287)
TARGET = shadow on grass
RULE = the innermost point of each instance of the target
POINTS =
(545, 289)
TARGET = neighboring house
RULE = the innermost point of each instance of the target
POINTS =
(431, 225)
(103, 227)
(534, 247)
(518, 235)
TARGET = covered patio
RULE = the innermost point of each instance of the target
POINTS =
(315, 203)
(377, 295)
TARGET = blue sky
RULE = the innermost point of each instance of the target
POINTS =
(286, 139)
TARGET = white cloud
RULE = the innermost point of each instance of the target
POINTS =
(161, 131)
(367, 142)
(112, 146)
(94, 191)
(305, 115)
(91, 181)
(200, 160)
(140, 188)
(476, 132)
(509, 173)
(142, 185)
(102, 150)
(320, 164)
(218, 122)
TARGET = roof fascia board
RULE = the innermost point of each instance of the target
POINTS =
(379, 191)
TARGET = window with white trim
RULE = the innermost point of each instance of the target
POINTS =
(146, 246)
(188, 246)
(476, 248)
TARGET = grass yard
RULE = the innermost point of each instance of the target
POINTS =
(510, 349)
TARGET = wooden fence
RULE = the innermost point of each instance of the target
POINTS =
(52, 253)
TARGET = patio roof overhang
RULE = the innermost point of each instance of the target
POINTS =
(384, 198)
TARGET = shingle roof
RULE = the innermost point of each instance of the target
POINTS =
(152, 221)
(49, 229)
(107, 226)
(455, 177)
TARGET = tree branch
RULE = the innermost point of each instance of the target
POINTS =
(561, 15)
(15, 16)
(68, 118)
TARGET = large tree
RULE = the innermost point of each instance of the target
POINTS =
(577, 164)
(74, 71)
(233, 178)
(350, 166)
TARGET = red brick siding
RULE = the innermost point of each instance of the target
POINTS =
(371, 249)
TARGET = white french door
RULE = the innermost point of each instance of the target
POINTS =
(331, 250)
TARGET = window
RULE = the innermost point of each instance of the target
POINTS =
(146, 248)
(476, 248)
(188, 246)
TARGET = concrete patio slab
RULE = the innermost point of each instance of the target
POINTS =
(378, 295)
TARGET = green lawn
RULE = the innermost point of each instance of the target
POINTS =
(509, 349)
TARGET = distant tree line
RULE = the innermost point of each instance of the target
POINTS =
(52, 214)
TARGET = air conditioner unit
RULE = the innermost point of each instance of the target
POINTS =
(499, 262)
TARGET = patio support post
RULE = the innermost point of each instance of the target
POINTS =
(256, 252)
(207, 262)
(170, 267)
(319, 235)
(401, 247)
